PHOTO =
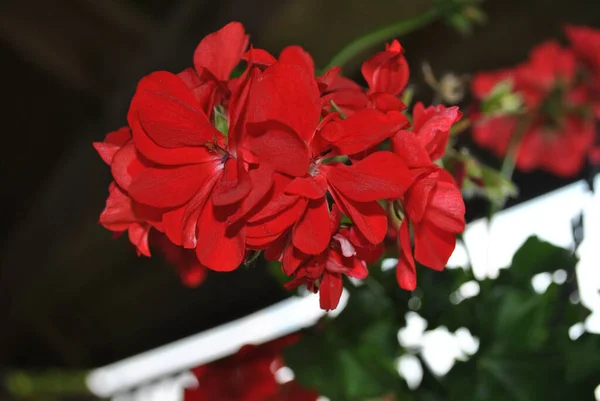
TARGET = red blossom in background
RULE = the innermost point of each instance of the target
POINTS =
(248, 375)
(212, 169)
(554, 125)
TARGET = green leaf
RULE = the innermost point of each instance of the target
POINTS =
(352, 357)
(537, 256)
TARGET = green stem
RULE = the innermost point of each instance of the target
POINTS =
(386, 33)
(508, 164)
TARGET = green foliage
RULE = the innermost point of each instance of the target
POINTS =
(525, 352)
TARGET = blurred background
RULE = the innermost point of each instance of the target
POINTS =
(73, 298)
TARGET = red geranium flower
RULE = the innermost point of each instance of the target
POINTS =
(433, 206)
(207, 181)
(556, 134)
(248, 375)
(322, 273)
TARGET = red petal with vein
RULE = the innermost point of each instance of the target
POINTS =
(335, 219)
(311, 232)
(357, 269)
(259, 57)
(446, 205)
(288, 94)
(166, 156)
(219, 248)
(261, 181)
(279, 146)
(169, 187)
(113, 141)
(298, 56)
(381, 175)
(309, 187)
(118, 213)
(276, 200)
(173, 225)
(126, 163)
(385, 102)
(433, 125)
(154, 83)
(169, 113)
(221, 51)
(387, 71)
(292, 259)
(234, 184)
(406, 272)
(279, 222)
(193, 209)
(363, 130)
(406, 144)
(260, 242)
(275, 249)
(138, 235)
(417, 199)
(369, 217)
(433, 246)
(238, 107)
(330, 290)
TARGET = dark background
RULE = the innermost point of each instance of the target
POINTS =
(70, 295)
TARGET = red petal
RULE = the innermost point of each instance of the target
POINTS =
(138, 235)
(288, 94)
(234, 184)
(406, 144)
(118, 213)
(275, 249)
(309, 187)
(298, 56)
(112, 143)
(126, 163)
(381, 175)
(173, 225)
(169, 113)
(363, 130)
(278, 223)
(446, 206)
(150, 89)
(259, 57)
(418, 196)
(276, 200)
(292, 259)
(192, 212)
(433, 125)
(330, 290)
(261, 181)
(335, 219)
(221, 51)
(385, 102)
(406, 272)
(358, 269)
(433, 246)
(369, 217)
(387, 71)
(169, 187)
(279, 146)
(311, 234)
(260, 242)
(219, 248)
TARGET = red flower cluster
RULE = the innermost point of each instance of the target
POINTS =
(248, 375)
(272, 159)
(546, 105)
